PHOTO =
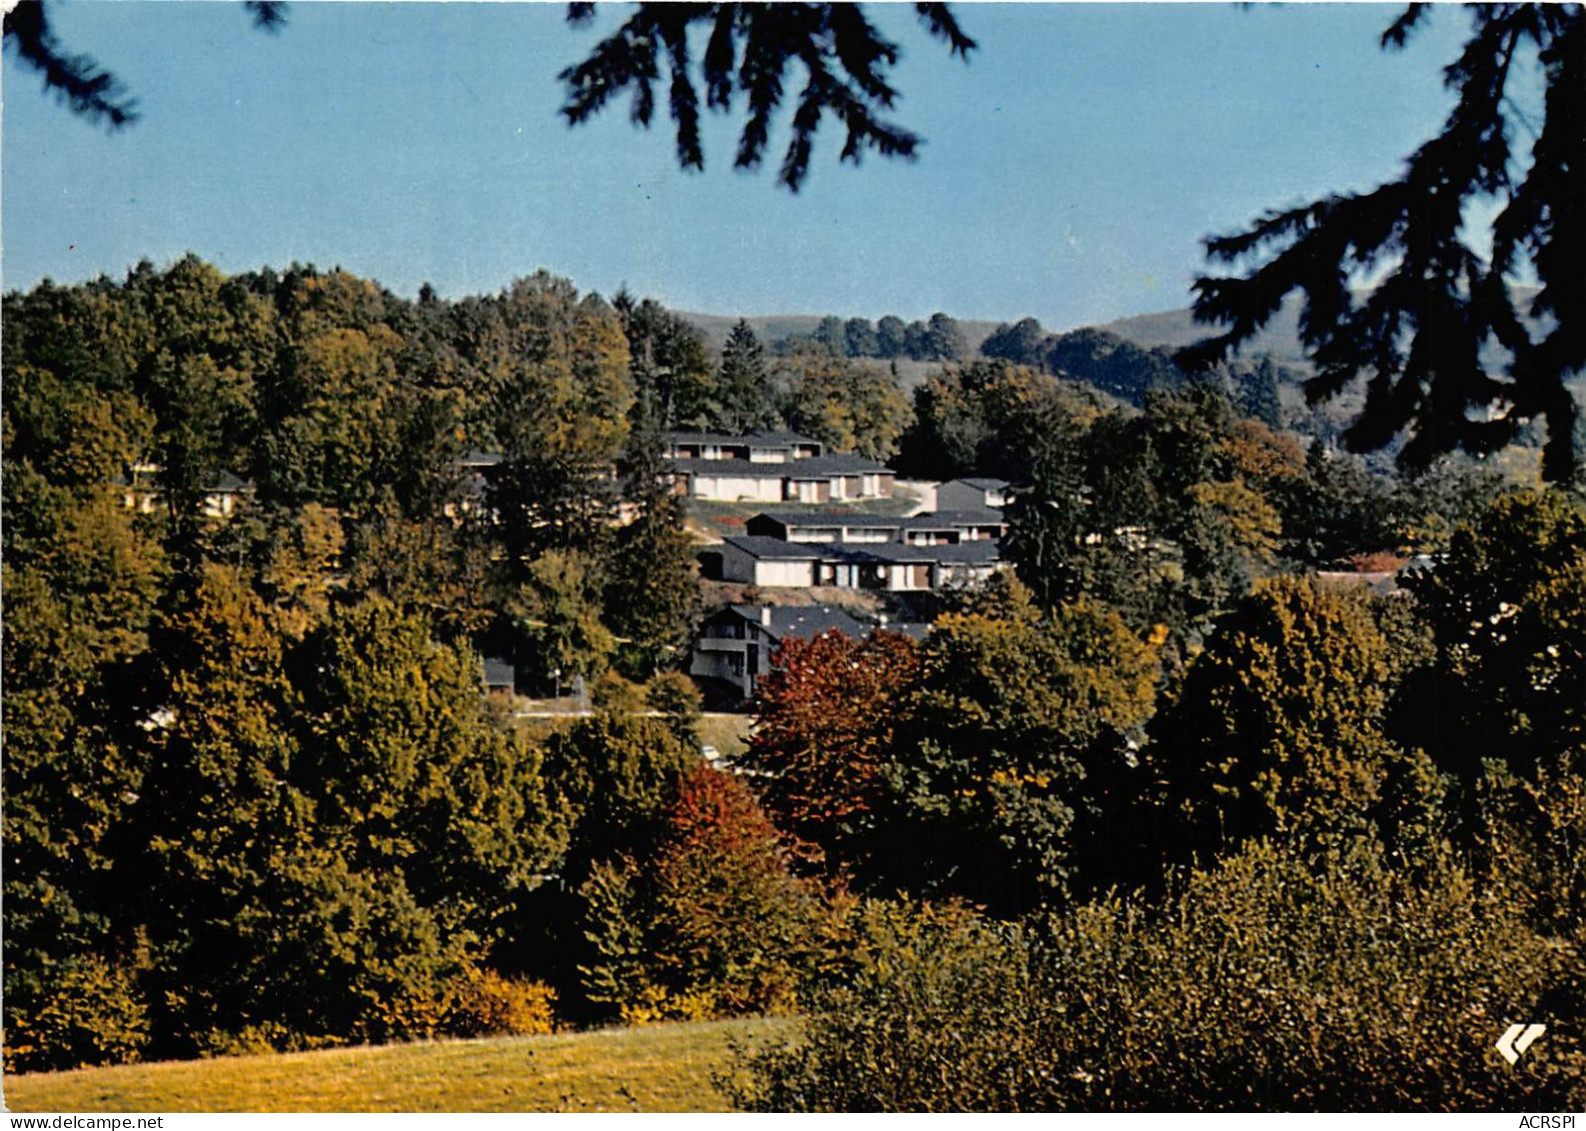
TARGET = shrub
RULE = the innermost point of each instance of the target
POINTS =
(928, 1010)
(90, 1012)
(618, 696)
(1276, 981)
(674, 696)
(484, 1003)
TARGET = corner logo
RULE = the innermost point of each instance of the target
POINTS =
(1516, 1039)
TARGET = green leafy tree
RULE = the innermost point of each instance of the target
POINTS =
(830, 336)
(1023, 343)
(944, 340)
(1507, 606)
(438, 569)
(891, 337)
(851, 406)
(652, 598)
(859, 338)
(80, 590)
(1017, 747)
(556, 367)
(328, 836)
(409, 773)
(1277, 728)
(219, 819)
(1111, 364)
(559, 612)
(610, 776)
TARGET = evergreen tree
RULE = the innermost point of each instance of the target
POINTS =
(652, 597)
(845, 58)
(670, 369)
(1420, 333)
(743, 384)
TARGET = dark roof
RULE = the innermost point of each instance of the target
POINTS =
(753, 439)
(816, 467)
(813, 620)
(844, 464)
(940, 520)
(961, 518)
(498, 672)
(830, 518)
(984, 484)
(803, 622)
(775, 549)
(983, 551)
(226, 483)
(740, 467)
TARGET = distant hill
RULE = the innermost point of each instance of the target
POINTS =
(1174, 329)
(774, 327)
(1171, 329)
(771, 327)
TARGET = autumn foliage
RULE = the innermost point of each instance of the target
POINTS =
(826, 721)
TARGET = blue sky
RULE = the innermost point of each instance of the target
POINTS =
(1069, 172)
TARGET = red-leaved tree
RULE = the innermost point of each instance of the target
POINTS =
(826, 719)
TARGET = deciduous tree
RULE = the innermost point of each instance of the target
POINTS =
(826, 718)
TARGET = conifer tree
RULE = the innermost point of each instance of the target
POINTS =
(1420, 334)
(743, 383)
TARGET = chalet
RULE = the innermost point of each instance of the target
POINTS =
(735, 645)
(972, 495)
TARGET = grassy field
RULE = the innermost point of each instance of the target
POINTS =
(661, 1068)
